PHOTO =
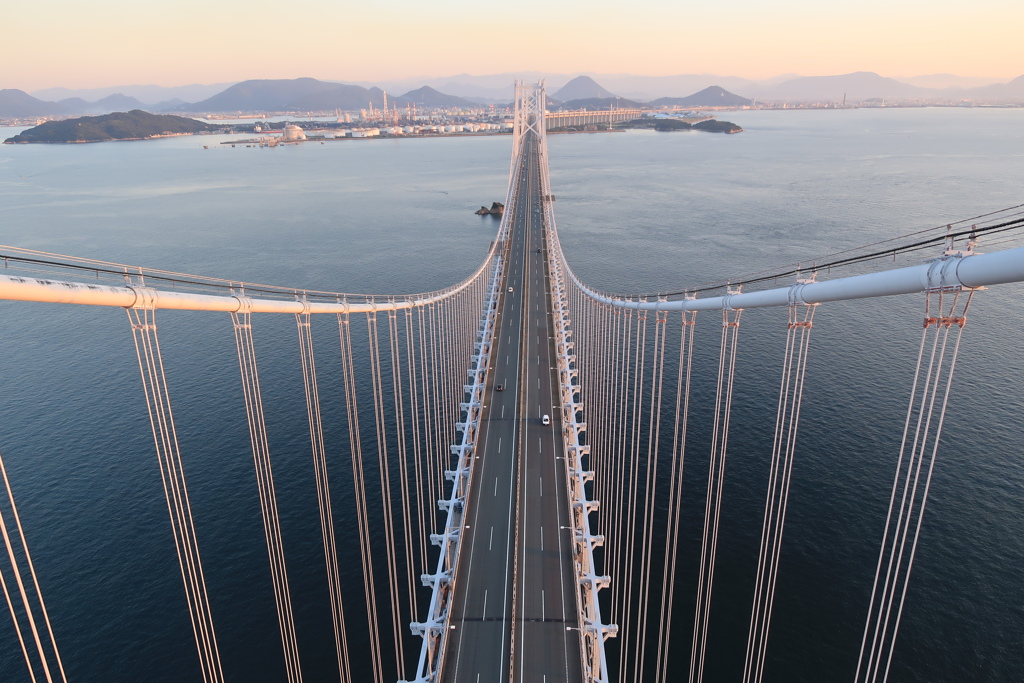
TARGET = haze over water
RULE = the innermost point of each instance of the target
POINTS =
(637, 211)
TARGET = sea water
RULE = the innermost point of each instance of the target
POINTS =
(637, 212)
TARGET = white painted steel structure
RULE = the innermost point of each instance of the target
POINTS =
(20, 288)
(593, 630)
(954, 270)
(434, 628)
(949, 273)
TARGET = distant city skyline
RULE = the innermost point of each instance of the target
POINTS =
(114, 42)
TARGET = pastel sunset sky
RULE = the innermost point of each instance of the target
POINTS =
(109, 42)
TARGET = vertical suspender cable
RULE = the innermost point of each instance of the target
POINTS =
(438, 411)
(946, 322)
(589, 372)
(787, 419)
(447, 370)
(675, 493)
(713, 501)
(881, 625)
(620, 483)
(323, 491)
(385, 484)
(31, 597)
(635, 420)
(609, 453)
(359, 491)
(607, 459)
(165, 438)
(403, 461)
(268, 497)
(417, 435)
(888, 547)
(653, 429)
(427, 418)
(605, 449)
(594, 401)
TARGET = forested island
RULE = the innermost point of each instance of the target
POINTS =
(132, 125)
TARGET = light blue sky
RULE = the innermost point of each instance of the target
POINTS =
(108, 42)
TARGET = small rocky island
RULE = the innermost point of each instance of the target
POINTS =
(497, 209)
(667, 125)
(132, 125)
(710, 126)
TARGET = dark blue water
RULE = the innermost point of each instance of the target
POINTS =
(637, 211)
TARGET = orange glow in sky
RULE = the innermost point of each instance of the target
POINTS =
(112, 42)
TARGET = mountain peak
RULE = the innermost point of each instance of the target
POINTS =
(581, 88)
(261, 94)
(712, 96)
(18, 103)
(431, 97)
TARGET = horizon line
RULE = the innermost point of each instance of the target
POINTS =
(574, 74)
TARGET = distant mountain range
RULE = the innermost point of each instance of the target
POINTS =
(261, 95)
(856, 87)
(497, 88)
(713, 96)
(309, 94)
(19, 104)
(863, 86)
(429, 97)
(110, 103)
(299, 94)
(149, 94)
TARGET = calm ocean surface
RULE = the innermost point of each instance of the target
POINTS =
(637, 211)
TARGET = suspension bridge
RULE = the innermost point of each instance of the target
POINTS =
(515, 445)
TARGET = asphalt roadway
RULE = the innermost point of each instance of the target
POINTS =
(513, 612)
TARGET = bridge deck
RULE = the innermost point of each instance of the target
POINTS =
(514, 609)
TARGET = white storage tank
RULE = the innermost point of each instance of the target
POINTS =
(292, 133)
